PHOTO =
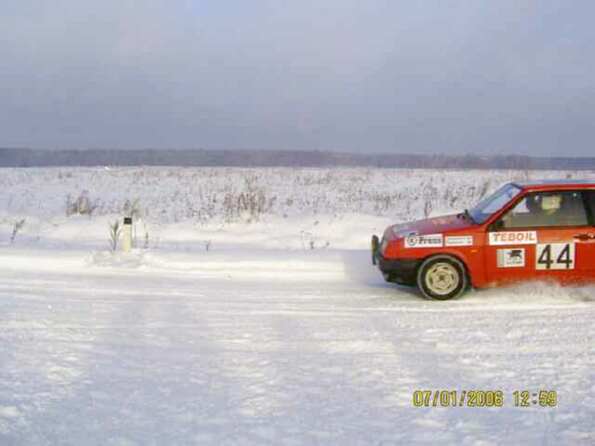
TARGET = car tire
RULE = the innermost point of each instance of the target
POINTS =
(442, 277)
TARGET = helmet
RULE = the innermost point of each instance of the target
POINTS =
(551, 203)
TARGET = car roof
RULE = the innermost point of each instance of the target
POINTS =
(555, 184)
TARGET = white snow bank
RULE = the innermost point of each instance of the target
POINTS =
(170, 347)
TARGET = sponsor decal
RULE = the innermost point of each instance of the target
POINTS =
(458, 240)
(554, 256)
(513, 238)
(424, 241)
(511, 258)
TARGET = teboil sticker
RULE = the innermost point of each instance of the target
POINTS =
(511, 258)
(513, 238)
(458, 240)
(424, 241)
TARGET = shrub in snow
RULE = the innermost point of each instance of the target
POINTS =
(309, 241)
(485, 188)
(132, 209)
(81, 206)
(427, 208)
(17, 226)
(248, 205)
(115, 229)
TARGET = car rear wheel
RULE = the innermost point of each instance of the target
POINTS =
(442, 278)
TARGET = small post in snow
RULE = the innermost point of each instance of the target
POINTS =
(127, 234)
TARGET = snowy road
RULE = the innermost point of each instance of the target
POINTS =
(277, 347)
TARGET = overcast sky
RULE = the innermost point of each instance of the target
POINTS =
(368, 76)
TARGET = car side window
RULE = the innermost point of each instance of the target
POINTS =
(547, 209)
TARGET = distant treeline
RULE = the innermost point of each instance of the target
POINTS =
(271, 158)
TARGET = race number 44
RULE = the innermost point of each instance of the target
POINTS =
(555, 256)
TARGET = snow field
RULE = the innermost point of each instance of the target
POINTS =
(281, 332)
(280, 208)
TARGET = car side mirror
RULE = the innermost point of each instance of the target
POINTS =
(498, 224)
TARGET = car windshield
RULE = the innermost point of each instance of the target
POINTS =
(493, 203)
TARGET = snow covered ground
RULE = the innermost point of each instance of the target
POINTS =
(280, 333)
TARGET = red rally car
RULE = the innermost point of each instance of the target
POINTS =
(540, 230)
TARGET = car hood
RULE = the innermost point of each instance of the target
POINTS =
(435, 225)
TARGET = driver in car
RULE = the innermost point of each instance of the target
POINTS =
(545, 209)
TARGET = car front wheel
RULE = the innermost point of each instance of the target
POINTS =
(442, 277)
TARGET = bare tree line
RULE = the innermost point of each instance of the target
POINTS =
(22, 157)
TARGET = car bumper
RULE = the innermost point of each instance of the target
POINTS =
(402, 271)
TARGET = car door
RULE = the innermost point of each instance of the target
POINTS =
(586, 239)
(541, 237)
